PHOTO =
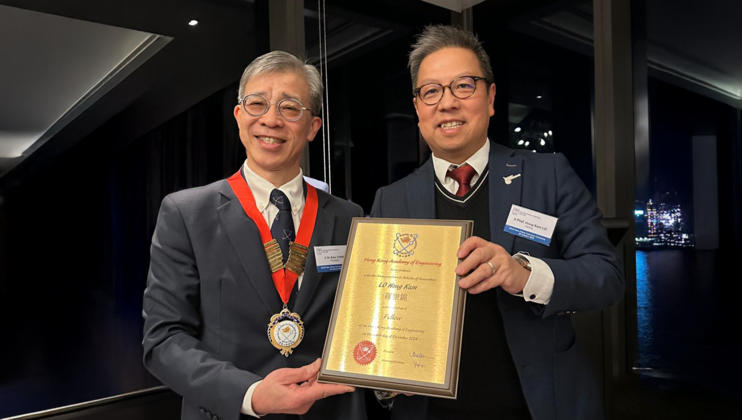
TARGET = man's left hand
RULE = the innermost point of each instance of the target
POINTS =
(504, 270)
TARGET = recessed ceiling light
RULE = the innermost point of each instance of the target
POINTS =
(520, 143)
(538, 97)
(193, 22)
(517, 129)
(543, 143)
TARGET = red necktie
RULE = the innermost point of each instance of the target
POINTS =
(463, 175)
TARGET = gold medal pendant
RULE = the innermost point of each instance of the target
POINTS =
(285, 331)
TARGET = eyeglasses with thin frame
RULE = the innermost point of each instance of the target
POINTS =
(290, 109)
(461, 87)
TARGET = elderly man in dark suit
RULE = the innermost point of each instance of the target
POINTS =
(235, 309)
(519, 356)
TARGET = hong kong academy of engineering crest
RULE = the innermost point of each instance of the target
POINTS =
(405, 244)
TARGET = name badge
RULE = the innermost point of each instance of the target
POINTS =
(530, 224)
(329, 258)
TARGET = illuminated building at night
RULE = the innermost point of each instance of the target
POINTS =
(664, 226)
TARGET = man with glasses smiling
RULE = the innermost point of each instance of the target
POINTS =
(235, 309)
(519, 359)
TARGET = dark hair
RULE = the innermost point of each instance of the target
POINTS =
(437, 37)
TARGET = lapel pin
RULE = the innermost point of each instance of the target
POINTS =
(509, 179)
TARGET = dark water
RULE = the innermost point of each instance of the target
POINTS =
(688, 319)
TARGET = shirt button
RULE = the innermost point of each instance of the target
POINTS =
(533, 297)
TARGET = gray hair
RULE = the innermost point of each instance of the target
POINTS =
(438, 37)
(283, 62)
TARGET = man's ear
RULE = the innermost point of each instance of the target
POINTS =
(314, 128)
(491, 93)
(414, 103)
(237, 110)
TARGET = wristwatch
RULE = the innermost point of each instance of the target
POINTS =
(521, 259)
(385, 395)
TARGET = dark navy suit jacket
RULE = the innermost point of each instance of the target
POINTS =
(554, 375)
(210, 296)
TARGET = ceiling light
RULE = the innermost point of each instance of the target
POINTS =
(517, 129)
(534, 150)
(520, 143)
(546, 134)
(538, 97)
(550, 133)
(543, 142)
(193, 22)
(527, 143)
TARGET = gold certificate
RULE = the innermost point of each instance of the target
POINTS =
(398, 316)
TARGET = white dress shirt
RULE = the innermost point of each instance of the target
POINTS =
(261, 190)
(540, 283)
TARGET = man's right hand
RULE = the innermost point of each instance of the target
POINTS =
(293, 391)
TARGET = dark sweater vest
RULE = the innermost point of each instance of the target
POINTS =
(488, 382)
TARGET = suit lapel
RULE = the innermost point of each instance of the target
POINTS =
(324, 228)
(421, 192)
(503, 163)
(244, 236)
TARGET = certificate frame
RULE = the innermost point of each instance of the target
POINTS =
(449, 387)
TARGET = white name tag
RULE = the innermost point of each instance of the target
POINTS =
(530, 224)
(329, 258)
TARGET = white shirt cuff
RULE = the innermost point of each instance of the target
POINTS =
(247, 401)
(540, 284)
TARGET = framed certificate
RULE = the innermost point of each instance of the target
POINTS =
(398, 316)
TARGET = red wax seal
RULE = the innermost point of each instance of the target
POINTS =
(365, 352)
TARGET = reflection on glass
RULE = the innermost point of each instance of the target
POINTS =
(644, 308)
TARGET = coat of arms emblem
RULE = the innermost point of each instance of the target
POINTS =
(405, 244)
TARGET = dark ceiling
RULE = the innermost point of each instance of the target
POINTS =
(198, 61)
(201, 60)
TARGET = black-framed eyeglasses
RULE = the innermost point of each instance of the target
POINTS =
(461, 87)
(257, 105)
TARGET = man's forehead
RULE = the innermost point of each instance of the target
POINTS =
(448, 64)
(282, 85)
(445, 77)
(272, 93)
